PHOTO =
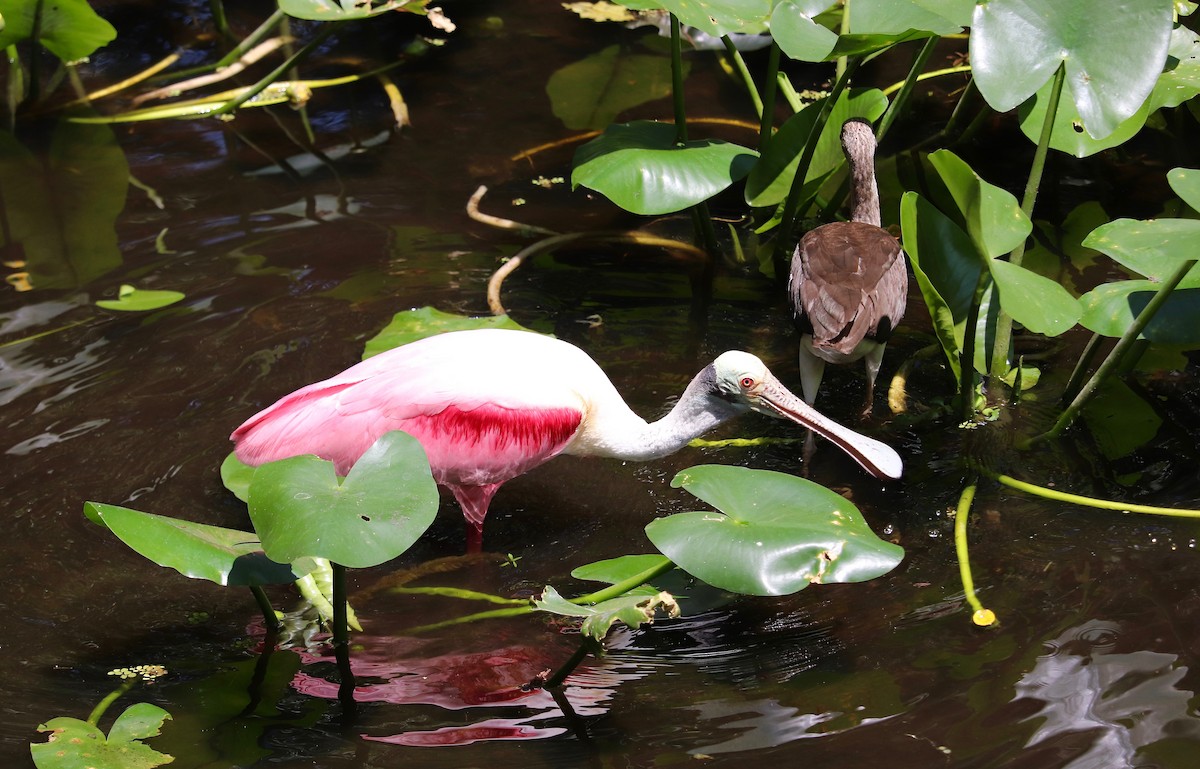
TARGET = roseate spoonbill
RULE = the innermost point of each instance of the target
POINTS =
(849, 284)
(488, 405)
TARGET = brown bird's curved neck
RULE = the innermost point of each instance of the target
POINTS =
(864, 194)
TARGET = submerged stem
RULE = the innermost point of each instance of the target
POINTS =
(981, 616)
(1077, 499)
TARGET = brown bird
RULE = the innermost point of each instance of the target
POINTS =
(849, 283)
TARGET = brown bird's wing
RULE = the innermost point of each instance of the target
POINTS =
(848, 283)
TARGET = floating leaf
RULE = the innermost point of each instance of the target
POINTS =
(301, 508)
(776, 534)
(236, 476)
(411, 325)
(130, 299)
(1113, 52)
(1119, 419)
(633, 611)
(639, 167)
(74, 743)
(591, 93)
(614, 570)
(196, 550)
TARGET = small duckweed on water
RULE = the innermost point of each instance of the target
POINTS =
(148, 673)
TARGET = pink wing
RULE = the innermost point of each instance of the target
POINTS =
(481, 416)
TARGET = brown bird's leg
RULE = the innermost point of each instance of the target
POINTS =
(873, 359)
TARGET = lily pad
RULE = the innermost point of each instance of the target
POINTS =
(301, 508)
(69, 29)
(74, 743)
(344, 10)
(893, 17)
(411, 325)
(798, 34)
(130, 299)
(615, 570)
(776, 534)
(1113, 52)
(590, 93)
(236, 476)
(196, 550)
(1186, 183)
(639, 167)
(1110, 310)
(1153, 248)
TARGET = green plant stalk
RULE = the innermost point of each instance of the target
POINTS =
(1075, 381)
(341, 637)
(961, 514)
(999, 364)
(1116, 356)
(613, 591)
(1077, 499)
(789, 92)
(219, 20)
(568, 667)
(771, 88)
(98, 712)
(677, 103)
(270, 619)
(966, 361)
(276, 73)
(791, 206)
(744, 72)
(467, 595)
(843, 29)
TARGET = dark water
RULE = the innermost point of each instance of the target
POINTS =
(1094, 662)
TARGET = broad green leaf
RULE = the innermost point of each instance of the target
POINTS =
(861, 45)
(796, 32)
(75, 744)
(1113, 51)
(892, 17)
(776, 533)
(1039, 304)
(616, 570)
(301, 508)
(130, 299)
(344, 10)
(236, 476)
(719, 17)
(1153, 248)
(63, 210)
(196, 550)
(1119, 419)
(411, 325)
(945, 253)
(69, 29)
(633, 611)
(1110, 310)
(993, 218)
(639, 167)
(771, 177)
(1186, 183)
(591, 93)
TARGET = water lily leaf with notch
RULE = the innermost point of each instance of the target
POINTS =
(196, 550)
(69, 29)
(1186, 183)
(771, 178)
(344, 10)
(776, 534)
(633, 611)
(411, 325)
(74, 743)
(639, 167)
(130, 299)
(799, 36)
(1113, 52)
(301, 508)
(590, 93)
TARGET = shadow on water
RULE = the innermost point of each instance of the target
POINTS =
(285, 276)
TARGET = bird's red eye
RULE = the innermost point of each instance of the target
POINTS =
(747, 382)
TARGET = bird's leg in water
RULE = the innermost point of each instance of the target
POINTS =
(474, 501)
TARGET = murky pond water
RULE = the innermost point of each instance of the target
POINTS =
(1094, 663)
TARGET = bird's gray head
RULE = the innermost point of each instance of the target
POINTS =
(741, 378)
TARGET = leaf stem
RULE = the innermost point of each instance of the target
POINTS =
(98, 712)
(232, 105)
(962, 513)
(270, 619)
(744, 72)
(1077, 499)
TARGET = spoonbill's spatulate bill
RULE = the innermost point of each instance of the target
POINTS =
(489, 405)
(849, 283)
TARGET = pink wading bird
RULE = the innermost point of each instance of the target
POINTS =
(489, 405)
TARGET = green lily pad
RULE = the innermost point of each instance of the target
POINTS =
(344, 10)
(589, 94)
(130, 299)
(196, 550)
(1110, 310)
(301, 508)
(1113, 52)
(411, 325)
(716, 17)
(639, 167)
(236, 476)
(893, 17)
(615, 570)
(776, 534)
(633, 611)
(1186, 183)
(1153, 248)
(74, 743)
(798, 34)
